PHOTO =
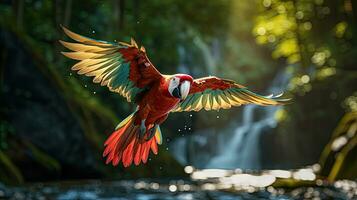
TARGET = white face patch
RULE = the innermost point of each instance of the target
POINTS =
(174, 83)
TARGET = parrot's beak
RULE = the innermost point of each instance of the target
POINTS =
(184, 89)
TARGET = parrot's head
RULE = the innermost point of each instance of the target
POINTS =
(179, 85)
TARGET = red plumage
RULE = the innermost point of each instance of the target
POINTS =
(125, 69)
(124, 145)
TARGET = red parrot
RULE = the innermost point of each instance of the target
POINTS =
(126, 69)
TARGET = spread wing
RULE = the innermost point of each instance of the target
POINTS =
(123, 68)
(212, 93)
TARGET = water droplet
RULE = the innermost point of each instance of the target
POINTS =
(179, 130)
(70, 74)
(217, 117)
(172, 188)
(189, 129)
(93, 31)
(190, 115)
(167, 148)
(94, 92)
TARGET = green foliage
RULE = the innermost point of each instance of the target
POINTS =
(315, 39)
(312, 35)
(43, 158)
(350, 103)
(160, 26)
(9, 172)
(338, 160)
(278, 26)
(5, 130)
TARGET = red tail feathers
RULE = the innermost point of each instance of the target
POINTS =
(124, 145)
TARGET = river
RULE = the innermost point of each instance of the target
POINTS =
(211, 184)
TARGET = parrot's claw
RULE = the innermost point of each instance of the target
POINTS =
(142, 129)
(152, 132)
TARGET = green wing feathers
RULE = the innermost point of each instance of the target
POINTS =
(214, 94)
(103, 61)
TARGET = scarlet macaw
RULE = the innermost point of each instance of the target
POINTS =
(125, 69)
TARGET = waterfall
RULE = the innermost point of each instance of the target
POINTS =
(237, 147)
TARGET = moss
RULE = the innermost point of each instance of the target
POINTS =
(9, 172)
(337, 163)
(292, 183)
(92, 115)
(42, 158)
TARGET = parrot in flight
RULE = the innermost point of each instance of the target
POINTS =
(126, 69)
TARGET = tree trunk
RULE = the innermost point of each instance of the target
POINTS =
(118, 13)
(57, 12)
(3, 57)
(121, 13)
(18, 10)
(302, 51)
(67, 13)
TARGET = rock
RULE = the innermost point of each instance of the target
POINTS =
(4, 191)
(39, 113)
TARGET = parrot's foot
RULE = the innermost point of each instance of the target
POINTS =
(142, 129)
(152, 132)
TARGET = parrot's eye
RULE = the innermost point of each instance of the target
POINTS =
(175, 81)
(174, 86)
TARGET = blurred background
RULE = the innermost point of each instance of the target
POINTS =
(53, 122)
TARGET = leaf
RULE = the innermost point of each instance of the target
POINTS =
(43, 158)
(10, 167)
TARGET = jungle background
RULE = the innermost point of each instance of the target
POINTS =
(53, 122)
